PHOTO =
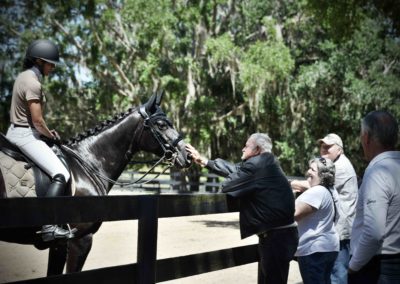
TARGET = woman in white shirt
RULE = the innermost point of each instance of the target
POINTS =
(316, 212)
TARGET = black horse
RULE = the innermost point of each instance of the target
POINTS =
(96, 159)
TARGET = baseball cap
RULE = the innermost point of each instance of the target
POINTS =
(331, 139)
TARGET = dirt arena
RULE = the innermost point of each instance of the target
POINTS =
(115, 244)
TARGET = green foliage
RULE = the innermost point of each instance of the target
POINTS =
(222, 49)
(342, 18)
(295, 69)
(265, 62)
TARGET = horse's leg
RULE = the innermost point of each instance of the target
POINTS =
(78, 250)
(57, 258)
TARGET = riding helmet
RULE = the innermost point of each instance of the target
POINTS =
(45, 50)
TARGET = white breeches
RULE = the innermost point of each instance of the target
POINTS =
(28, 141)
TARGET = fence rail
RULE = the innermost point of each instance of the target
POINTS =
(204, 182)
(146, 209)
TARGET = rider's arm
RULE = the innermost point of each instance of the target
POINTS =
(35, 108)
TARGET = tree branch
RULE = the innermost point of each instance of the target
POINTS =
(116, 66)
(224, 19)
(121, 35)
(235, 111)
(68, 34)
(388, 66)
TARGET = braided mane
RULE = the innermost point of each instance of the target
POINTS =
(99, 128)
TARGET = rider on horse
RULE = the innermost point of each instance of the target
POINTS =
(28, 124)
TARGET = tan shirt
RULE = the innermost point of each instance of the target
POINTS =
(26, 87)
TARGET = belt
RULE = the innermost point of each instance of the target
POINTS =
(264, 234)
(388, 256)
(19, 125)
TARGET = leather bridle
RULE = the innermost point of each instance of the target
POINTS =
(170, 152)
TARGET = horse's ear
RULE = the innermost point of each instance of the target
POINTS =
(151, 104)
(160, 95)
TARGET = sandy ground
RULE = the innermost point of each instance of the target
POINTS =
(115, 244)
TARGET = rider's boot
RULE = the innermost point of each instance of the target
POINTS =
(57, 186)
(52, 232)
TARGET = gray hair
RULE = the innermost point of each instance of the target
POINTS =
(263, 141)
(326, 171)
(382, 127)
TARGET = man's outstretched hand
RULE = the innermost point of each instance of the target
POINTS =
(195, 155)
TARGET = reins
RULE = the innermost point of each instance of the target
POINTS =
(90, 168)
(168, 155)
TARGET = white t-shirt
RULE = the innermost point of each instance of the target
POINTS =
(317, 230)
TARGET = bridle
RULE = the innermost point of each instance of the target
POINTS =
(170, 152)
(169, 149)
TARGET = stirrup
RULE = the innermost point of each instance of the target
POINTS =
(53, 232)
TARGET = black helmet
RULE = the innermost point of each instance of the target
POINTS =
(43, 49)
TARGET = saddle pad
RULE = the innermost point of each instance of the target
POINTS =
(19, 181)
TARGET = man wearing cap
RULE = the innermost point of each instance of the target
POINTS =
(331, 146)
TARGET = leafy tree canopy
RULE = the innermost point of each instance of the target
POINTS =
(294, 69)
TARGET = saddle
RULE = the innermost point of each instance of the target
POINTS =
(22, 177)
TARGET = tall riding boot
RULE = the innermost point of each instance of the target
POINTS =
(57, 186)
(52, 232)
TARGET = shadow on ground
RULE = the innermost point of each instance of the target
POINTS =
(226, 224)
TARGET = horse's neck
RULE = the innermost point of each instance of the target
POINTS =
(110, 151)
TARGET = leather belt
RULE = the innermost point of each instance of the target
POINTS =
(265, 233)
(19, 125)
(388, 256)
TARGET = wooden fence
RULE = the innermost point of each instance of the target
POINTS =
(205, 182)
(28, 212)
(25, 212)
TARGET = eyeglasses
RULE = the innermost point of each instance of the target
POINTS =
(322, 160)
(325, 147)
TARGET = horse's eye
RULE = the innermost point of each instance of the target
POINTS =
(162, 124)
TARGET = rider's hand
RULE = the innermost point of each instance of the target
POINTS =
(55, 134)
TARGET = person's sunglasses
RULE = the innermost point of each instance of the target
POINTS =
(322, 160)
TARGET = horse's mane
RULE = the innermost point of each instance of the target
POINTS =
(99, 128)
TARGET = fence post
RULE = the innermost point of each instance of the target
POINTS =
(147, 239)
(260, 275)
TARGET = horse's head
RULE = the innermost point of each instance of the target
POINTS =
(159, 135)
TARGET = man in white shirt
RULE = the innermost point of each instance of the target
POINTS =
(375, 239)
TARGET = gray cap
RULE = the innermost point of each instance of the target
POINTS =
(331, 139)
